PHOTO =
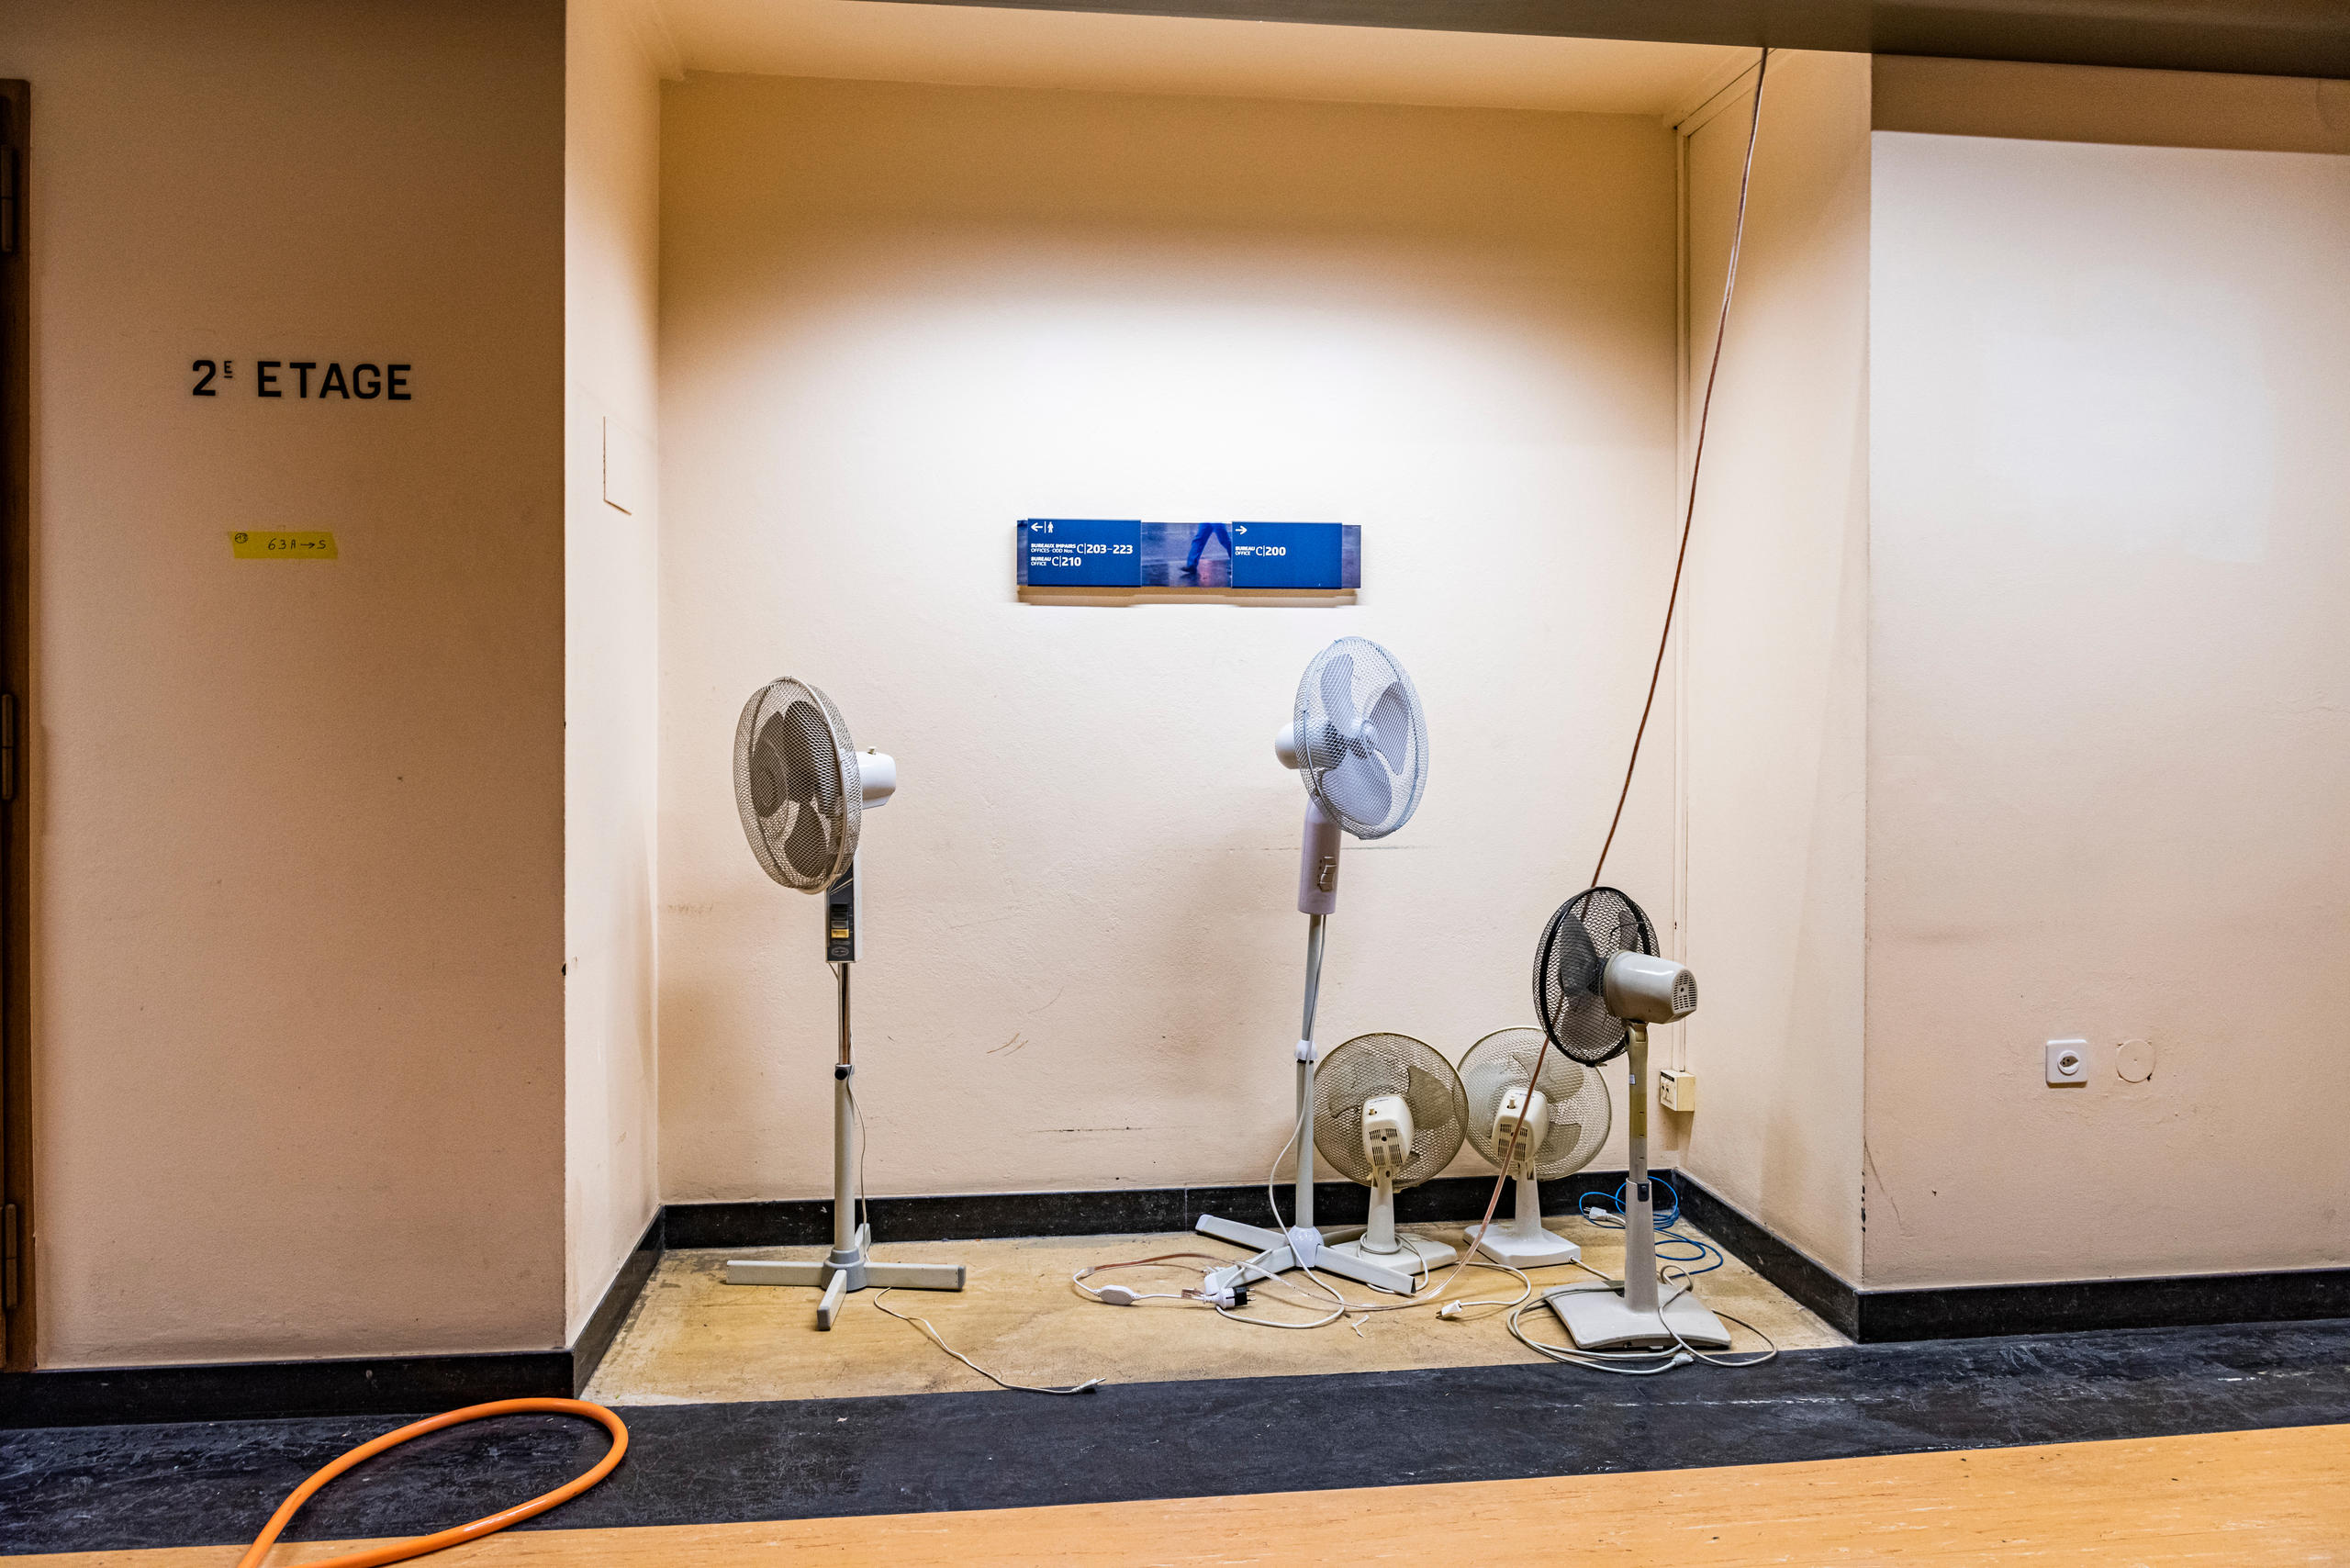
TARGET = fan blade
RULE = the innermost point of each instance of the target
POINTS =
(1325, 747)
(1338, 694)
(811, 773)
(1390, 728)
(770, 771)
(1358, 789)
(1564, 1135)
(1575, 963)
(807, 846)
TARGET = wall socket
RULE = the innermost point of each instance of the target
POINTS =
(1676, 1089)
(2068, 1062)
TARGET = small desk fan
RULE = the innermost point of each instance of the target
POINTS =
(1389, 1113)
(1359, 740)
(803, 790)
(1598, 985)
(1565, 1115)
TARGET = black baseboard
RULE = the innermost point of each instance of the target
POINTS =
(1974, 1312)
(391, 1385)
(1785, 1265)
(808, 1222)
(387, 1385)
(596, 1334)
(1089, 1213)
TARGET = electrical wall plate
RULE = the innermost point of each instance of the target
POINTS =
(1676, 1089)
(2069, 1063)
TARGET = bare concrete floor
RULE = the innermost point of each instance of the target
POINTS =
(694, 1338)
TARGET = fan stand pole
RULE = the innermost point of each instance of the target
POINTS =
(851, 1266)
(1608, 1318)
(1640, 1206)
(1304, 1210)
(847, 1244)
(1301, 1245)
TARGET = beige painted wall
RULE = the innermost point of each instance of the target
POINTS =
(1775, 664)
(298, 866)
(896, 319)
(611, 653)
(2109, 666)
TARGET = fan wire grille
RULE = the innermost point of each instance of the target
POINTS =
(1372, 1065)
(1362, 741)
(1580, 1112)
(1588, 929)
(797, 785)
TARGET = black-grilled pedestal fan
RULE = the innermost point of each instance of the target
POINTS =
(1598, 985)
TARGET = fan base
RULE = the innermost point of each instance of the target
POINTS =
(838, 1279)
(1597, 1319)
(1520, 1249)
(1416, 1255)
(1276, 1255)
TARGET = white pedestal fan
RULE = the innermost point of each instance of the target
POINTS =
(803, 790)
(1557, 1124)
(1598, 985)
(1358, 739)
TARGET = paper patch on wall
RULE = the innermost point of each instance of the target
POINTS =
(300, 546)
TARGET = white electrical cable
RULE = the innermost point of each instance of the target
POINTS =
(1771, 1347)
(1088, 1386)
(1353, 1309)
(1255, 1265)
(864, 1210)
(1253, 1273)
(866, 1216)
(1643, 1362)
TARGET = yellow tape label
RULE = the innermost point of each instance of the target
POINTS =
(283, 546)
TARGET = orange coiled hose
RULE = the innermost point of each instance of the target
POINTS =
(400, 1550)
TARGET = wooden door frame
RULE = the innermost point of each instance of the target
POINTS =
(16, 1318)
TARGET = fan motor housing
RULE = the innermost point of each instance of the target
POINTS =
(1387, 1132)
(1642, 989)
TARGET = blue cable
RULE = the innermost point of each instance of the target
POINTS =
(1611, 1217)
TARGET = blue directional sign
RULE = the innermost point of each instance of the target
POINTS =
(1059, 551)
(1065, 552)
(1293, 555)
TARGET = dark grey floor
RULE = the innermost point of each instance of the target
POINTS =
(90, 1487)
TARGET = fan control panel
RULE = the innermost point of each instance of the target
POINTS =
(841, 909)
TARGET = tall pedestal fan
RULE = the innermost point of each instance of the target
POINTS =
(803, 790)
(1598, 985)
(1358, 739)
